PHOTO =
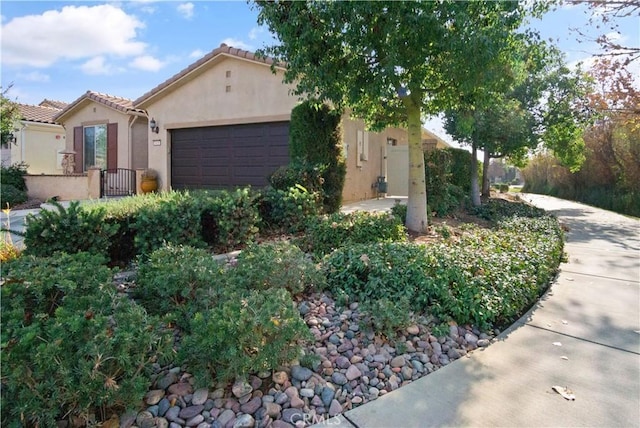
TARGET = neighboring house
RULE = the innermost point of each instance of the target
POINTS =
(38, 139)
(105, 131)
(224, 121)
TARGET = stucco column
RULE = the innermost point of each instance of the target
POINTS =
(93, 182)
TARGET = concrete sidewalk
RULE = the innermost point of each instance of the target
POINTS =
(583, 334)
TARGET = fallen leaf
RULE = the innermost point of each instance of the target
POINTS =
(565, 322)
(565, 392)
(569, 279)
(557, 344)
(564, 358)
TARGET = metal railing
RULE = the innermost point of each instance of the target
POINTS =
(117, 182)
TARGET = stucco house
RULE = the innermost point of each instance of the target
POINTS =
(37, 139)
(221, 122)
(105, 131)
(224, 121)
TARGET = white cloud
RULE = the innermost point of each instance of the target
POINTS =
(35, 76)
(96, 66)
(147, 63)
(256, 31)
(186, 10)
(75, 32)
(236, 43)
(198, 53)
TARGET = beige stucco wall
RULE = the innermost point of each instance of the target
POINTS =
(363, 175)
(231, 91)
(92, 113)
(38, 144)
(76, 187)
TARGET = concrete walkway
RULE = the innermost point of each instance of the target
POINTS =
(584, 334)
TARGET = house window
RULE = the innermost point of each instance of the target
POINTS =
(95, 146)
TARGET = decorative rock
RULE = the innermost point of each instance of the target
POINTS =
(307, 392)
(335, 408)
(226, 417)
(398, 361)
(244, 421)
(483, 343)
(304, 308)
(200, 396)
(190, 412)
(195, 421)
(413, 329)
(342, 362)
(296, 403)
(374, 392)
(241, 388)
(128, 419)
(172, 414)
(281, 424)
(251, 406)
(338, 378)
(160, 423)
(301, 373)
(291, 392)
(280, 377)
(181, 389)
(406, 372)
(164, 382)
(353, 373)
(145, 420)
(292, 415)
(273, 410)
(327, 395)
(453, 354)
(154, 396)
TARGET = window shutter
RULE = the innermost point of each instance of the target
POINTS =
(112, 146)
(78, 148)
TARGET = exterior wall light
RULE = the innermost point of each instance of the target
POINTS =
(154, 126)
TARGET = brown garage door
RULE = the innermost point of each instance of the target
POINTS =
(222, 157)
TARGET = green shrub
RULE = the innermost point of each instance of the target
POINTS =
(299, 172)
(173, 217)
(400, 211)
(69, 230)
(386, 316)
(247, 333)
(443, 196)
(324, 234)
(370, 272)
(14, 176)
(229, 219)
(177, 281)
(70, 345)
(498, 209)
(288, 210)
(11, 196)
(503, 187)
(275, 265)
(315, 138)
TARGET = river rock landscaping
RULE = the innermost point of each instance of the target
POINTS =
(287, 332)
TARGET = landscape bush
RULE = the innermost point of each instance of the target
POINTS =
(299, 172)
(71, 347)
(275, 265)
(228, 219)
(444, 191)
(288, 210)
(484, 278)
(173, 217)
(176, 281)
(11, 196)
(248, 332)
(326, 233)
(13, 175)
(69, 230)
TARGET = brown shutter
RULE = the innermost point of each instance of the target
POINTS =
(78, 148)
(112, 146)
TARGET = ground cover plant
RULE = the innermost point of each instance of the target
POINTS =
(230, 319)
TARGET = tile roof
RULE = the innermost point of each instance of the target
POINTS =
(53, 104)
(37, 113)
(123, 105)
(223, 49)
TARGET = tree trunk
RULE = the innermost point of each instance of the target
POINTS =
(475, 188)
(486, 188)
(417, 203)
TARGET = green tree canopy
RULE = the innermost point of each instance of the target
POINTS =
(393, 63)
(9, 113)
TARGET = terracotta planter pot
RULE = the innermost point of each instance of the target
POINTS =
(149, 185)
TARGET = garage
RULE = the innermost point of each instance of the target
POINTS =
(223, 157)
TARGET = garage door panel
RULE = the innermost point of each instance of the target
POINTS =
(228, 156)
